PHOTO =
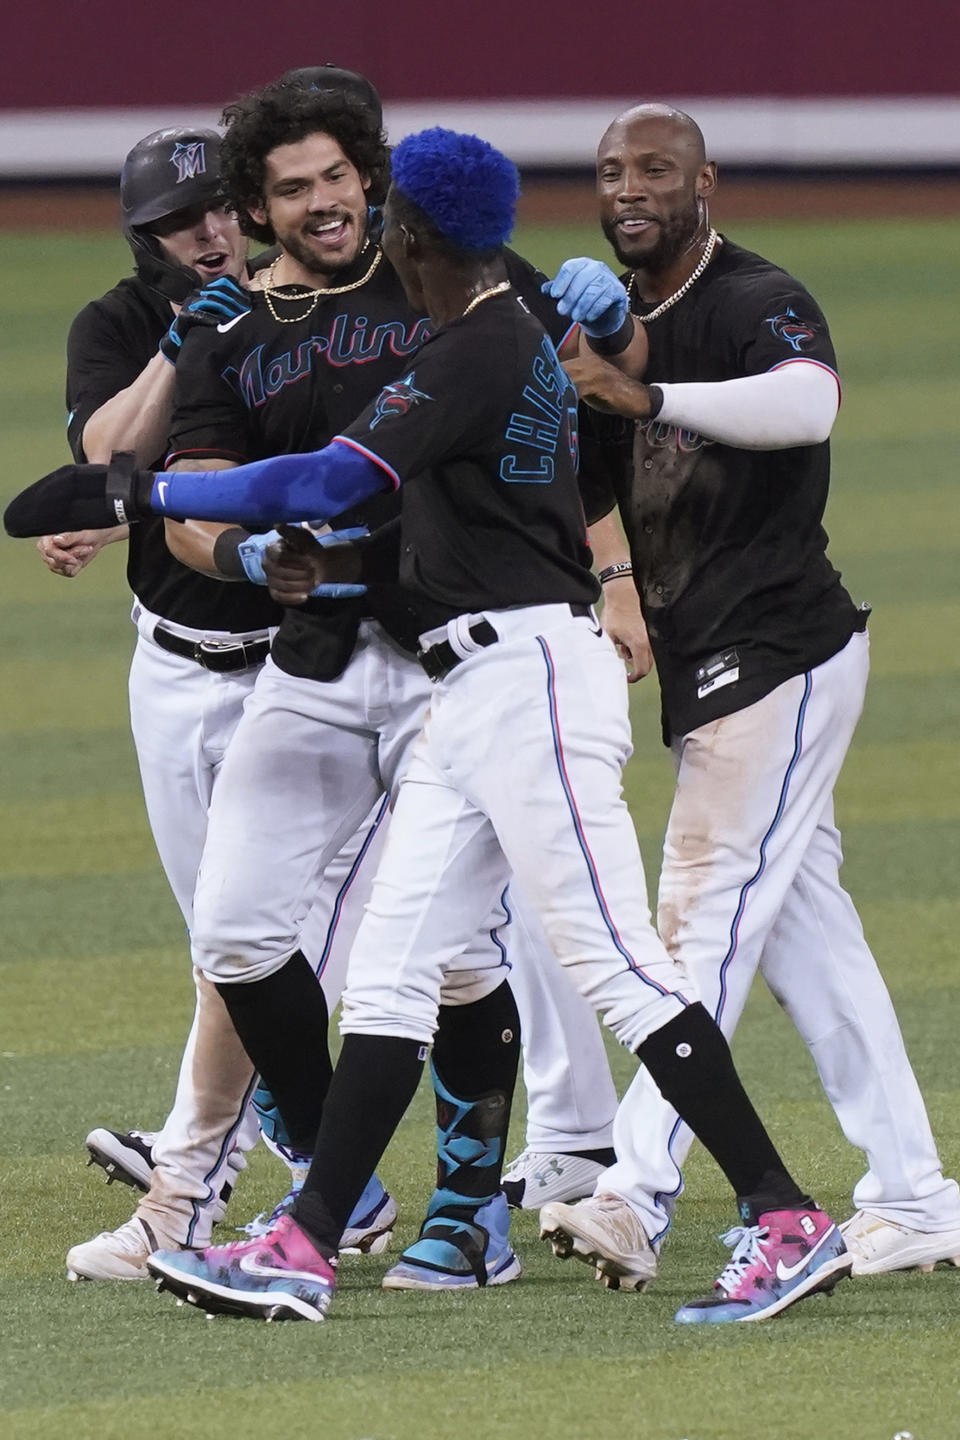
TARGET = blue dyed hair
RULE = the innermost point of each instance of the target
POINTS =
(466, 188)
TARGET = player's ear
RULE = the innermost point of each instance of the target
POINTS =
(258, 213)
(707, 180)
(364, 180)
(411, 244)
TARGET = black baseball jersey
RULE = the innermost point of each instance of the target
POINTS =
(110, 343)
(480, 435)
(727, 544)
(263, 387)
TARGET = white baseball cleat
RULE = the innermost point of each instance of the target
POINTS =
(602, 1231)
(126, 1156)
(119, 1254)
(880, 1246)
(535, 1179)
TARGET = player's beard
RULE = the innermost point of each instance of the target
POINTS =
(299, 248)
(676, 234)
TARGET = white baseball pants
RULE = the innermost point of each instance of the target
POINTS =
(518, 770)
(183, 718)
(316, 756)
(750, 881)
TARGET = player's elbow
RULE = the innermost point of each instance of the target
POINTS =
(813, 403)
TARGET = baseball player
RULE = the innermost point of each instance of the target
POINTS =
(329, 322)
(200, 646)
(518, 767)
(762, 660)
(121, 358)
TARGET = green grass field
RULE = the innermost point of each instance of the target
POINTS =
(96, 994)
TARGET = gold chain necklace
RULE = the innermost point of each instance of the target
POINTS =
(486, 295)
(302, 292)
(691, 279)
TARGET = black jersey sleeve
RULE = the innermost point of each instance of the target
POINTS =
(100, 363)
(437, 408)
(775, 322)
(210, 419)
(528, 281)
(606, 457)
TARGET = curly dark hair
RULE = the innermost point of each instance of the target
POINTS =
(282, 114)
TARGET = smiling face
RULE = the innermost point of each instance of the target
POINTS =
(208, 241)
(316, 201)
(651, 180)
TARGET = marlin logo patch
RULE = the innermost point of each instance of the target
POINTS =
(790, 327)
(397, 399)
(190, 160)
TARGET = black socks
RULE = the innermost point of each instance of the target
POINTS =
(282, 1022)
(690, 1061)
(375, 1080)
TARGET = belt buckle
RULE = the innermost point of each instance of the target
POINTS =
(204, 650)
(431, 663)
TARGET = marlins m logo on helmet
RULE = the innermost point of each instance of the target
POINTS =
(190, 160)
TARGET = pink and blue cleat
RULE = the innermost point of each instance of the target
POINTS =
(278, 1276)
(785, 1256)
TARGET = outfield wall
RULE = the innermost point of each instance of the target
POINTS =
(828, 83)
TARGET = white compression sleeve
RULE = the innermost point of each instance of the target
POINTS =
(795, 404)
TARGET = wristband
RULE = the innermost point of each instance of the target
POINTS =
(656, 401)
(614, 344)
(613, 572)
(249, 551)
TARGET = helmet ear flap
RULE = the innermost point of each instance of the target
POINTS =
(175, 282)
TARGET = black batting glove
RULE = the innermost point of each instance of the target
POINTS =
(219, 303)
(82, 497)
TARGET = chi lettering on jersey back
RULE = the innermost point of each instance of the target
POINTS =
(550, 411)
(258, 377)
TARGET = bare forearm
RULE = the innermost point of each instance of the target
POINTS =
(608, 543)
(136, 419)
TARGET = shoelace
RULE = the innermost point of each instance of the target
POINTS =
(745, 1242)
(278, 1211)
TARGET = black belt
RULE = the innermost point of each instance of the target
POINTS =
(222, 656)
(438, 660)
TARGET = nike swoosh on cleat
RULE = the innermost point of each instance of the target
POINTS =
(787, 1272)
(222, 329)
(250, 1267)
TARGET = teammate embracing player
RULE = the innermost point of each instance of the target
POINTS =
(199, 648)
(762, 660)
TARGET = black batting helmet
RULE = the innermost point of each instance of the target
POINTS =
(342, 82)
(168, 171)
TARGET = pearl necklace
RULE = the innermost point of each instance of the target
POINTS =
(486, 295)
(691, 279)
(302, 292)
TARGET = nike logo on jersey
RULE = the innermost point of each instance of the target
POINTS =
(223, 328)
(789, 1272)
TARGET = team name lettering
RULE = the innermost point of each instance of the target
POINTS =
(661, 436)
(257, 379)
(550, 412)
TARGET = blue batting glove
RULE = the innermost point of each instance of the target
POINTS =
(340, 537)
(251, 555)
(590, 293)
(220, 303)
